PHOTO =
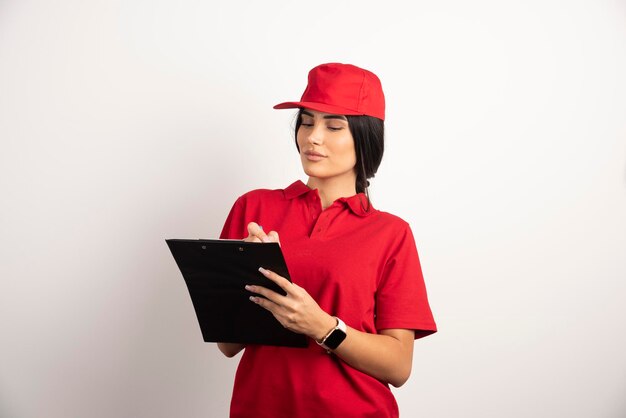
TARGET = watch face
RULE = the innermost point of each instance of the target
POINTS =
(334, 339)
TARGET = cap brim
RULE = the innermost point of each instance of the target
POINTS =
(320, 107)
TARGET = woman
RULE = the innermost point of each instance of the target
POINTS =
(357, 286)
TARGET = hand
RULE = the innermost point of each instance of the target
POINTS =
(256, 234)
(297, 311)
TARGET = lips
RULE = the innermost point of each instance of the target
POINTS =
(314, 156)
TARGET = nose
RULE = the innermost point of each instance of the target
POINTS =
(316, 134)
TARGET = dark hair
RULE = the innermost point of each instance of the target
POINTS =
(369, 144)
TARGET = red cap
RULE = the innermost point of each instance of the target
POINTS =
(342, 89)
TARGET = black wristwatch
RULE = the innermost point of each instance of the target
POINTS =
(335, 337)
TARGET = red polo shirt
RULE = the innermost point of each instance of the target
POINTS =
(359, 265)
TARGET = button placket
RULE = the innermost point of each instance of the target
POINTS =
(315, 208)
(321, 225)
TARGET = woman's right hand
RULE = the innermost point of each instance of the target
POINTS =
(256, 234)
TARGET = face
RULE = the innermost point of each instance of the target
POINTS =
(326, 146)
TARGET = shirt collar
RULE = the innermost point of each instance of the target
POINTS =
(296, 189)
(358, 203)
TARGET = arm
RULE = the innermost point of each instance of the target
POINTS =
(386, 356)
(230, 349)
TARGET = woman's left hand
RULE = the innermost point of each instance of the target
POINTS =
(297, 311)
(387, 356)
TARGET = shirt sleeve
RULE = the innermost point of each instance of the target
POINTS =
(235, 226)
(401, 299)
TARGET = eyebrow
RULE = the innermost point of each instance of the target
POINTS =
(340, 117)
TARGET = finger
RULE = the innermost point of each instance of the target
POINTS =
(266, 293)
(265, 303)
(273, 236)
(276, 278)
(270, 306)
(251, 238)
(257, 231)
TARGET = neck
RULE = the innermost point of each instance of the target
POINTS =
(331, 189)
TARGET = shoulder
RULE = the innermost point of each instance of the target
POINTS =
(392, 229)
(262, 194)
(256, 196)
(391, 221)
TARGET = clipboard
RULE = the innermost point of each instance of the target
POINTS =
(216, 272)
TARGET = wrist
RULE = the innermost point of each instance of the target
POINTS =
(326, 325)
(335, 336)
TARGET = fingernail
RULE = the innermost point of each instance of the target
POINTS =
(248, 287)
(261, 227)
(253, 299)
(263, 271)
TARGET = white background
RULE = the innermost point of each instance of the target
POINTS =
(123, 123)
